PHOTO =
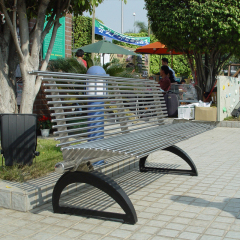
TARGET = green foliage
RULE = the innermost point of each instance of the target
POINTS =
(44, 122)
(142, 28)
(49, 156)
(77, 6)
(127, 73)
(66, 65)
(115, 68)
(233, 59)
(80, 123)
(143, 34)
(71, 65)
(198, 27)
(180, 65)
(87, 58)
(155, 64)
(231, 118)
(31, 41)
(82, 31)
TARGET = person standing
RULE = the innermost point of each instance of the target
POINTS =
(164, 82)
(170, 75)
(165, 63)
(80, 55)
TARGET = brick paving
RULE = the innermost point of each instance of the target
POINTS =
(168, 206)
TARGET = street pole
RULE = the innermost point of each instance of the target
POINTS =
(93, 29)
(149, 55)
(122, 16)
(149, 28)
(73, 28)
(134, 14)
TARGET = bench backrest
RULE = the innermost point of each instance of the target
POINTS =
(90, 107)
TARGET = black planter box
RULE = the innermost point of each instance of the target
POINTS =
(18, 138)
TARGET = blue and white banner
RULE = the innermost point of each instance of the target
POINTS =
(102, 30)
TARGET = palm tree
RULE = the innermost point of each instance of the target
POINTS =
(141, 26)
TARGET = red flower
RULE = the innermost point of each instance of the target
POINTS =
(44, 122)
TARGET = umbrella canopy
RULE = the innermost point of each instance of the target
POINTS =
(156, 48)
(105, 47)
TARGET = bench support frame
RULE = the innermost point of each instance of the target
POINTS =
(179, 152)
(101, 182)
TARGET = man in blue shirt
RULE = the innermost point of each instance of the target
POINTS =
(165, 63)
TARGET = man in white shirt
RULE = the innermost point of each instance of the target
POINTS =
(165, 63)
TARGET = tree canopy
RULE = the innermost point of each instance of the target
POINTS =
(25, 48)
(198, 27)
(60, 7)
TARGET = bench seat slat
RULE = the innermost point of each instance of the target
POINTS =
(105, 135)
(134, 150)
(156, 132)
(141, 142)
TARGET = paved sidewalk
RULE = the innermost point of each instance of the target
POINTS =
(168, 206)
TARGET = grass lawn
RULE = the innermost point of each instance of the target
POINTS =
(231, 119)
(44, 164)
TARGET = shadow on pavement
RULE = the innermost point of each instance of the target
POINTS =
(230, 205)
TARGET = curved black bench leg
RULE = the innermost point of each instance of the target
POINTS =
(179, 152)
(101, 182)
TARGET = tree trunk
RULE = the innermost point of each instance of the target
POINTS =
(207, 71)
(8, 103)
(27, 54)
(8, 64)
(28, 93)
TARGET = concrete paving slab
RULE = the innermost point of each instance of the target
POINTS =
(168, 206)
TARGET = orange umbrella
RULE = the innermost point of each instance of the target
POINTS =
(156, 48)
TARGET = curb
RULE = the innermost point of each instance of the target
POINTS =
(36, 192)
(27, 195)
(229, 124)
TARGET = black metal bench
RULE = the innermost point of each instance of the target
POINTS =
(127, 133)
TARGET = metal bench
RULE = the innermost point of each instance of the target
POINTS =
(126, 134)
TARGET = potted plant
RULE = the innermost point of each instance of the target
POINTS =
(44, 124)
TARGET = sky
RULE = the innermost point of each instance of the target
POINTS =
(110, 13)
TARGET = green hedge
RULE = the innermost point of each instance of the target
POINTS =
(82, 31)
